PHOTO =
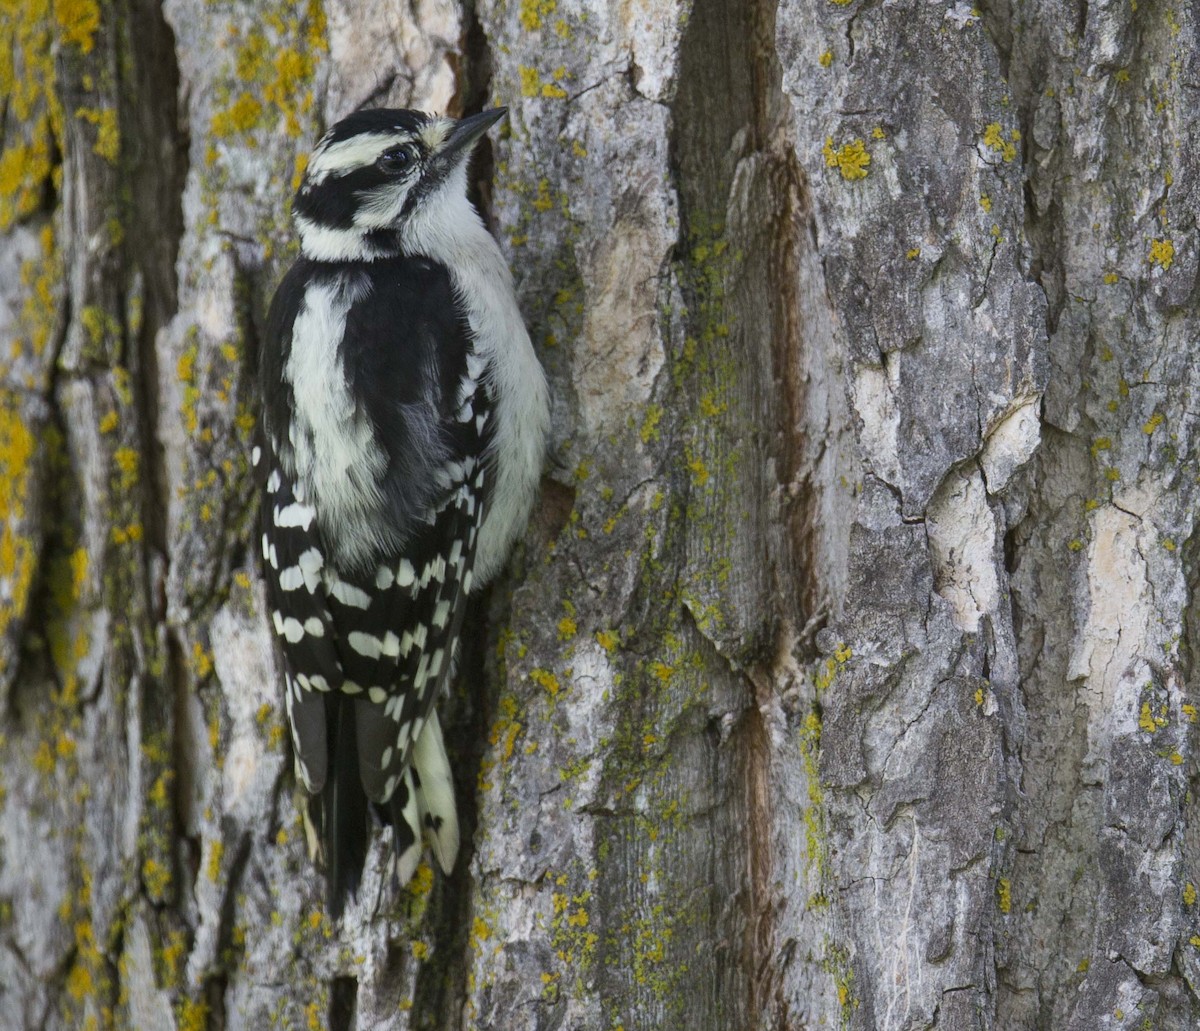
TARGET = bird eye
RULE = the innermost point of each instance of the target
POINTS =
(398, 159)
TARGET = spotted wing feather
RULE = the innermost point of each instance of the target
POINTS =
(292, 561)
(424, 651)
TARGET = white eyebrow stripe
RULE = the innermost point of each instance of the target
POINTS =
(347, 155)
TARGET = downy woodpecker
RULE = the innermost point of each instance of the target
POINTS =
(404, 427)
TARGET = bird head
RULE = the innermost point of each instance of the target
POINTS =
(378, 173)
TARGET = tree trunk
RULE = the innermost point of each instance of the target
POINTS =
(844, 677)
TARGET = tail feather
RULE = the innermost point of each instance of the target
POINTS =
(435, 793)
(406, 828)
(421, 808)
(344, 805)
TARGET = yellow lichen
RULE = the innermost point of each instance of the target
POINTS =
(826, 676)
(531, 82)
(1004, 895)
(201, 662)
(993, 139)
(156, 877)
(17, 550)
(27, 84)
(826, 59)
(1162, 254)
(192, 1015)
(290, 71)
(851, 159)
(80, 984)
(420, 885)
(271, 76)
(127, 461)
(534, 12)
(649, 430)
(710, 407)
(43, 758)
(240, 117)
(547, 681)
(699, 471)
(185, 368)
(312, 1016)
(108, 132)
(543, 201)
(214, 860)
(99, 325)
(1146, 719)
(160, 792)
(78, 21)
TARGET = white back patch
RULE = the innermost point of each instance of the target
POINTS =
(330, 437)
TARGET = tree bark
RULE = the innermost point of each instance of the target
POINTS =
(845, 674)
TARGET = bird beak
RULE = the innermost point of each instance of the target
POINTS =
(462, 140)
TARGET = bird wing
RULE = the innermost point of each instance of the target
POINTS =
(292, 562)
(385, 634)
(404, 652)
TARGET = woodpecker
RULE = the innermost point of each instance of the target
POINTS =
(404, 425)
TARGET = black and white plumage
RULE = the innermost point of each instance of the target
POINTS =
(404, 423)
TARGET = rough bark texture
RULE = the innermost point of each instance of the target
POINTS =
(845, 677)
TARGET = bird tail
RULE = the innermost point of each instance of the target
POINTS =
(344, 806)
(435, 793)
(422, 807)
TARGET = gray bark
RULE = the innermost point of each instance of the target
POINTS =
(844, 676)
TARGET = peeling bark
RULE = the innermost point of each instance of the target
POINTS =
(844, 676)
